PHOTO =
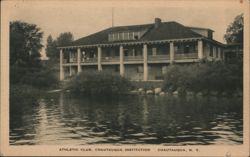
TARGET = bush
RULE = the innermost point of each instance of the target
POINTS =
(204, 77)
(102, 83)
(39, 77)
(146, 85)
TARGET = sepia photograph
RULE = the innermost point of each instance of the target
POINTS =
(125, 77)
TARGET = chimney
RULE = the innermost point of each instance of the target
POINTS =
(157, 22)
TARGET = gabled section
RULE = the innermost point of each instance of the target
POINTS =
(206, 32)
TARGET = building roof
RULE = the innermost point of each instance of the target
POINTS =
(191, 27)
(165, 31)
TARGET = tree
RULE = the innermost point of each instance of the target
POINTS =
(234, 33)
(25, 47)
(25, 66)
(51, 50)
(25, 44)
(64, 38)
(51, 47)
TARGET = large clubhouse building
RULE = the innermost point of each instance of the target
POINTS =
(139, 52)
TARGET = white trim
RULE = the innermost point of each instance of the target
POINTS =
(132, 43)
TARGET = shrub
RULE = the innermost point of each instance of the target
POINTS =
(205, 77)
(102, 83)
(146, 85)
(38, 77)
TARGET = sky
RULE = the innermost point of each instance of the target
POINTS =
(82, 18)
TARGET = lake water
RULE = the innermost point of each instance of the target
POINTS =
(66, 119)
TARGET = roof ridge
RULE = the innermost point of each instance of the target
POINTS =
(199, 28)
(146, 24)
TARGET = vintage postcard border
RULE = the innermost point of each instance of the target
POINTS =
(7, 150)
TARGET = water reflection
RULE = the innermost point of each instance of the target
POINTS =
(64, 118)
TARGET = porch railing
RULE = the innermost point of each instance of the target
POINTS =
(72, 60)
(111, 59)
(158, 57)
(89, 60)
(179, 56)
(133, 58)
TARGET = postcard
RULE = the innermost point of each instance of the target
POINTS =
(125, 78)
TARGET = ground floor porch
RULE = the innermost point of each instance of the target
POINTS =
(133, 72)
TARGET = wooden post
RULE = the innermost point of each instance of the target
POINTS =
(61, 65)
(145, 62)
(171, 49)
(200, 49)
(121, 61)
(70, 70)
(79, 68)
(219, 53)
(99, 57)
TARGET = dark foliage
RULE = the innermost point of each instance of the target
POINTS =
(234, 33)
(25, 64)
(25, 44)
(51, 48)
(99, 83)
(205, 77)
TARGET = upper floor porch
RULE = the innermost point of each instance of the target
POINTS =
(169, 52)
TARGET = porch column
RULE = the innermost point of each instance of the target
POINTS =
(99, 57)
(70, 70)
(200, 49)
(61, 65)
(145, 62)
(214, 52)
(79, 68)
(219, 53)
(222, 54)
(171, 50)
(121, 61)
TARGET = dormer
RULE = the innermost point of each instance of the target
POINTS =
(203, 31)
(120, 36)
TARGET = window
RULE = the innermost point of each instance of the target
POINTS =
(110, 37)
(130, 35)
(175, 49)
(196, 48)
(115, 36)
(180, 48)
(125, 35)
(154, 51)
(136, 35)
(120, 36)
(91, 55)
(186, 49)
(138, 52)
(125, 52)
